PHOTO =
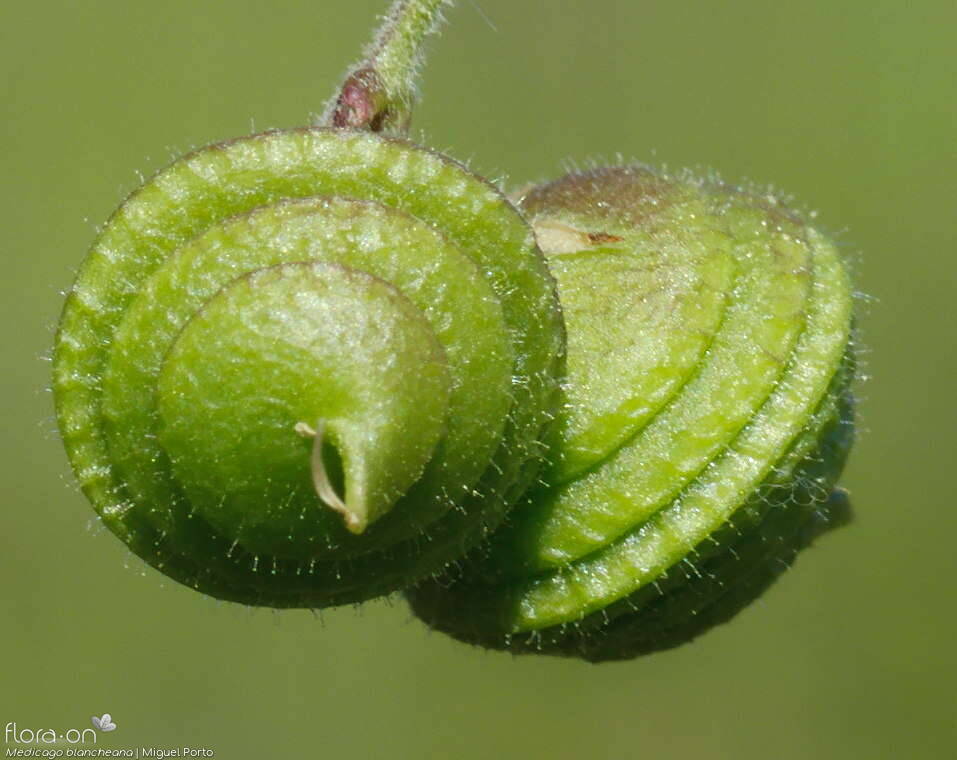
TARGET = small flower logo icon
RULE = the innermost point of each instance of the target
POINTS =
(104, 722)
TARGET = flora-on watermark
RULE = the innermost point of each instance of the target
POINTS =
(47, 743)
(14, 734)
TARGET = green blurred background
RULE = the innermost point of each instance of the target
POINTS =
(850, 106)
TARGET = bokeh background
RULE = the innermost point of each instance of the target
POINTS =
(850, 106)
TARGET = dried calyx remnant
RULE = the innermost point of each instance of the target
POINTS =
(706, 418)
(379, 92)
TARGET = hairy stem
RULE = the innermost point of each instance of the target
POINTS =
(379, 92)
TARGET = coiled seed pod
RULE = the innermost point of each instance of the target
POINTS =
(308, 367)
(707, 417)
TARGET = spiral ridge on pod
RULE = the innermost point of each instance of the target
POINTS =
(308, 367)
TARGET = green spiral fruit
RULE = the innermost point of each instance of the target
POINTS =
(308, 367)
(706, 419)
